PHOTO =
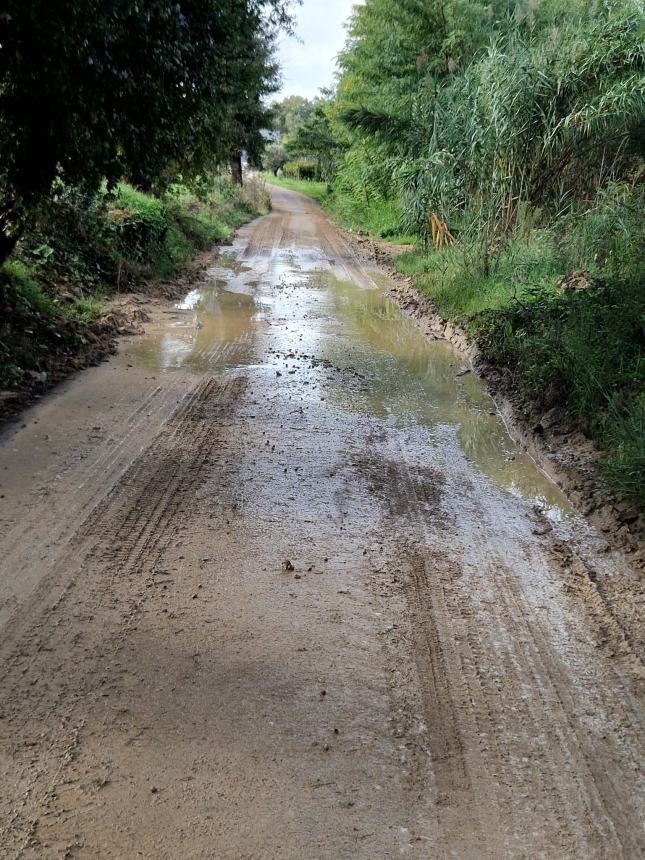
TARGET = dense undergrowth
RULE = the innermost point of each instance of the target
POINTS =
(582, 354)
(80, 249)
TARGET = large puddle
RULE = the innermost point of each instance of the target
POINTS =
(294, 316)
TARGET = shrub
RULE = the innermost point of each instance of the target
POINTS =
(301, 169)
(582, 351)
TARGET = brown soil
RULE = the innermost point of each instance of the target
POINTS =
(434, 673)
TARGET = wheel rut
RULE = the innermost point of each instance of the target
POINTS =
(502, 711)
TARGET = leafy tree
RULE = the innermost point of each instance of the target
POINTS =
(98, 89)
(394, 53)
(275, 156)
(291, 112)
(393, 50)
(315, 138)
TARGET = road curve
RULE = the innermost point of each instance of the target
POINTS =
(275, 584)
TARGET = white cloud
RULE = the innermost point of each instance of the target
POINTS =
(310, 64)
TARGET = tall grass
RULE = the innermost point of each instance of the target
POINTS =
(538, 123)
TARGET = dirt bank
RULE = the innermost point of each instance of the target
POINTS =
(79, 345)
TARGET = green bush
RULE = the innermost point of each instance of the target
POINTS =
(141, 223)
(32, 326)
(22, 290)
(301, 168)
(581, 351)
(98, 243)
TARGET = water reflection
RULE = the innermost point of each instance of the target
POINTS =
(369, 358)
(413, 381)
(214, 326)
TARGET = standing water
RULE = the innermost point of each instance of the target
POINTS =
(354, 345)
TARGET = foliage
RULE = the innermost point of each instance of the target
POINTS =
(482, 117)
(290, 113)
(92, 90)
(31, 327)
(539, 121)
(314, 139)
(274, 158)
(458, 287)
(301, 168)
(582, 351)
(379, 217)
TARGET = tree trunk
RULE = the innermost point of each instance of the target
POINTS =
(236, 167)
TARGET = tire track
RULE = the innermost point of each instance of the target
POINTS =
(162, 476)
(51, 528)
(128, 533)
(493, 691)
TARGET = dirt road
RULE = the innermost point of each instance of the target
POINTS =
(439, 675)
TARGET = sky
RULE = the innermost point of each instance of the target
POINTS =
(309, 64)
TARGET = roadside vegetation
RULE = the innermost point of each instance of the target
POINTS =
(121, 133)
(507, 141)
(79, 251)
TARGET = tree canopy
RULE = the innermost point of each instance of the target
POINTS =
(100, 89)
(290, 112)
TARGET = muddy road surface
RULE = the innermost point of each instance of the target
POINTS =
(275, 583)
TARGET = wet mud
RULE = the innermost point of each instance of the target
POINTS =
(276, 583)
